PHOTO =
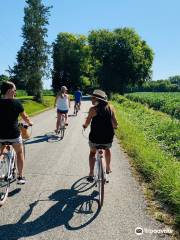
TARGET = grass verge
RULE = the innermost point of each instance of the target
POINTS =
(160, 169)
(32, 107)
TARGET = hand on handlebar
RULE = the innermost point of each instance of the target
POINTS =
(30, 123)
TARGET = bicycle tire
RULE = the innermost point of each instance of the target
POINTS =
(4, 180)
(62, 132)
(76, 112)
(101, 181)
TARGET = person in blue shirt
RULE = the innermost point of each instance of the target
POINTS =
(77, 99)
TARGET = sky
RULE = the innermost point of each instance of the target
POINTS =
(156, 21)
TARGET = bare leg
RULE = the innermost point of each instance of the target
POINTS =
(20, 157)
(2, 150)
(66, 119)
(91, 162)
(108, 159)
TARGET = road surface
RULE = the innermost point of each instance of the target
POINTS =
(58, 203)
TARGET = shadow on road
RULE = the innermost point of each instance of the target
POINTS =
(70, 209)
(37, 139)
(14, 192)
(48, 137)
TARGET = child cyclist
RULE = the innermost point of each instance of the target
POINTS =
(102, 118)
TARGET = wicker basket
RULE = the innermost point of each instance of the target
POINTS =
(24, 132)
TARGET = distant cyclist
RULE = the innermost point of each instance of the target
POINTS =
(103, 121)
(77, 99)
(63, 104)
(10, 110)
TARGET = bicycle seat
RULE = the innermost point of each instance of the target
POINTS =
(101, 147)
(6, 143)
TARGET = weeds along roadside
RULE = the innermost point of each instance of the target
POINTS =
(157, 163)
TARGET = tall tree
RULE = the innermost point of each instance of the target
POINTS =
(3, 78)
(124, 58)
(70, 60)
(32, 58)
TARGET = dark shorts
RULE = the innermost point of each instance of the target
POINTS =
(62, 111)
(12, 140)
(94, 145)
(77, 101)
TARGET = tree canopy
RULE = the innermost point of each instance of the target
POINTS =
(124, 58)
(70, 60)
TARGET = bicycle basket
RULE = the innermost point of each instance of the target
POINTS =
(24, 132)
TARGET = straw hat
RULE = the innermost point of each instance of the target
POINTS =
(99, 94)
(64, 88)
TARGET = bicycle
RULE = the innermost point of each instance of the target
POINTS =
(8, 168)
(62, 127)
(76, 108)
(7, 171)
(100, 176)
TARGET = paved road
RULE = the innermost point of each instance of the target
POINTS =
(58, 203)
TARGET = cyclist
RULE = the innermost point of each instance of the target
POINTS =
(10, 110)
(103, 121)
(77, 99)
(63, 104)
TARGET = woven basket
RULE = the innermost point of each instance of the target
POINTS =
(25, 133)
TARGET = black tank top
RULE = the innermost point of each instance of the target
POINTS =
(9, 113)
(102, 130)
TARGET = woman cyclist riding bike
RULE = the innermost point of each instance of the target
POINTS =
(10, 110)
(103, 121)
(63, 104)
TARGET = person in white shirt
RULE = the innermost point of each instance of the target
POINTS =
(62, 102)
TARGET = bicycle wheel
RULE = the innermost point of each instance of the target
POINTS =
(4, 180)
(100, 183)
(76, 110)
(62, 132)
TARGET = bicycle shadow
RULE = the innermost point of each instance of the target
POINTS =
(14, 192)
(48, 137)
(72, 115)
(37, 139)
(69, 204)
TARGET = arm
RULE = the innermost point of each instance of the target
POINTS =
(69, 101)
(26, 118)
(114, 120)
(91, 114)
(55, 101)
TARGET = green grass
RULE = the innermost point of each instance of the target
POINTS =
(167, 102)
(157, 166)
(32, 107)
(155, 125)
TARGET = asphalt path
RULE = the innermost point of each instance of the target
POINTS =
(58, 203)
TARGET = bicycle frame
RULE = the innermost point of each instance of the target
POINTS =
(62, 126)
(76, 108)
(100, 175)
(8, 174)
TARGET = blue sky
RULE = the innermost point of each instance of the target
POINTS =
(156, 21)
